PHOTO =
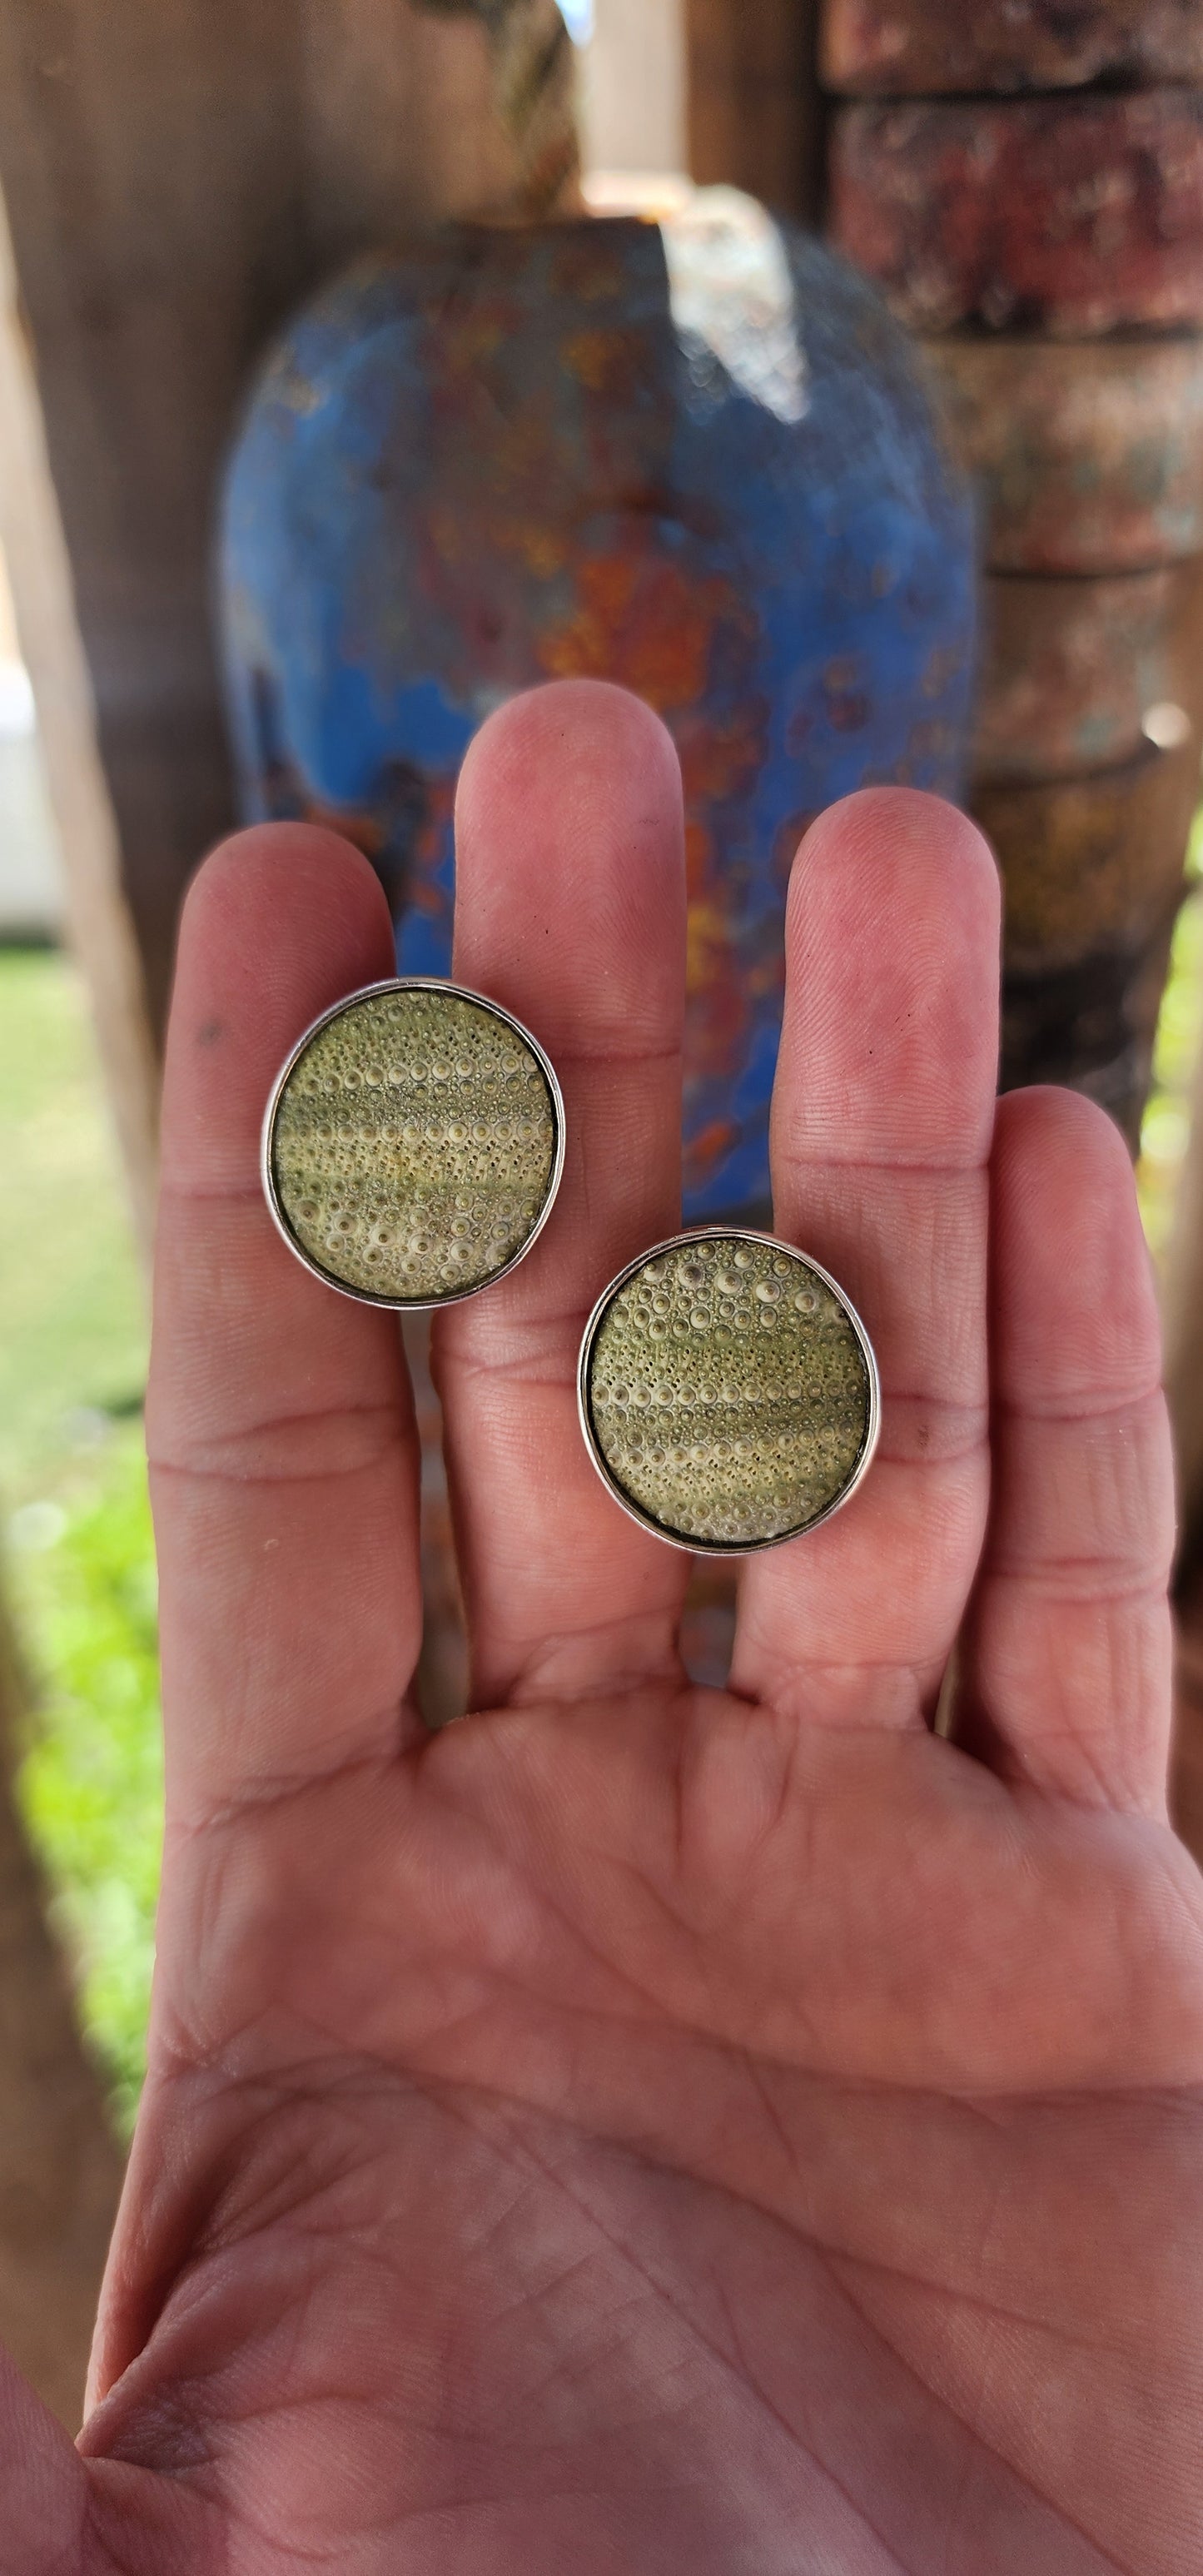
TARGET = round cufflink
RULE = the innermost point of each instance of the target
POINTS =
(413, 1144)
(728, 1392)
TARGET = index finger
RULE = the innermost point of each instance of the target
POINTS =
(279, 1417)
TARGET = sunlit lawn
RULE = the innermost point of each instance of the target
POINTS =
(1167, 1118)
(79, 1556)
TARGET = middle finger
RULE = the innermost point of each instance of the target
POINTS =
(570, 911)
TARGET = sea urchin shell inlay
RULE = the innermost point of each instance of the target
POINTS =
(414, 1144)
(728, 1391)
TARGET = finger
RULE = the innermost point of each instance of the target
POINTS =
(882, 1117)
(1066, 1660)
(570, 909)
(279, 1417)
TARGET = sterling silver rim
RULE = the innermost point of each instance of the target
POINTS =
(645, 1520)
(368, 993)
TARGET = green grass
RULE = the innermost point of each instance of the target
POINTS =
(72, 1323)
(91, 1784)
(79, 1563)
(1179, 1035)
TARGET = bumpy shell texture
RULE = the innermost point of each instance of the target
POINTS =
(728, 1392)
(413, 1146)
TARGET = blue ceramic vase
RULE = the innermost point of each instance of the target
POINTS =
(693, 456)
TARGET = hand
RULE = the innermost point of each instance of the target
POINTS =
(644, 2129)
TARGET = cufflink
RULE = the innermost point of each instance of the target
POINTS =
(413, 1144)
(728, 1392)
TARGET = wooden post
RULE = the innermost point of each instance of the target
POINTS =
(754, 113)
(176, 180)
(98, 917)
(60, 2172)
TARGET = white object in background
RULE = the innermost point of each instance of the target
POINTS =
(77, 791)
(729, 285)
(31, 889)
(731, 293)
(17, 718)
(633, 86)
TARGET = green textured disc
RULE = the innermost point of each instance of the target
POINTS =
(728, 1392)
(413, 1146)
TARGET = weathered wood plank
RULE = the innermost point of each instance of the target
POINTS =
(98, 916)
(1088, 456)
(1069, 215)
(906, 48)
(176, 180)
(151, 166)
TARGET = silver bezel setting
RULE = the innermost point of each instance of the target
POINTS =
(644, 1520)
(367, 993)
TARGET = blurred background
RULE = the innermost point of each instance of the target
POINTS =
(771, 97)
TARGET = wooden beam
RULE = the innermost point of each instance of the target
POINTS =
(150, 164)
(176, 180)
(754, 111)
(98, 917)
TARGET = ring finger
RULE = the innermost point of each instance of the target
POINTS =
(882, 1117)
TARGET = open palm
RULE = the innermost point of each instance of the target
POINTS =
(649, 2129)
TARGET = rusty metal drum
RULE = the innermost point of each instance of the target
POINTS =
(1087, 456)
(1092, 881)
(1091, 1025)
(1071, 215)
(1091, 862)
(697, 458)
(1085, 675)
(908, 48)
(1049, 247)
(1092, 873)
